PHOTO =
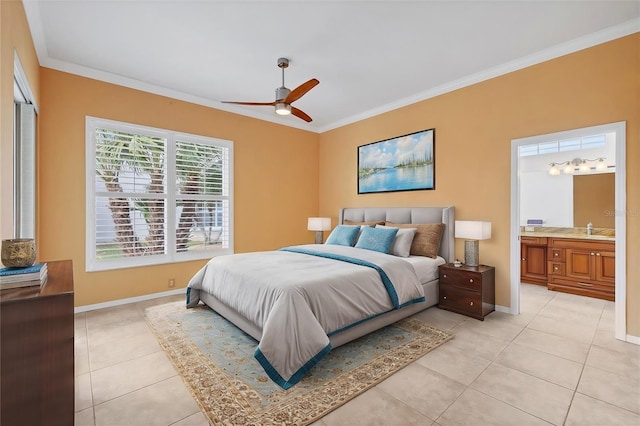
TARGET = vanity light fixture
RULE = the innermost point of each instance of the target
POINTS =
(554, 170)
(580, 165)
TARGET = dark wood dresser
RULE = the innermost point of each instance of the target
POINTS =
(36, 351)
(467, 290)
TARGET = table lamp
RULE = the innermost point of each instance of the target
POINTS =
(472, 231)
(319, 224)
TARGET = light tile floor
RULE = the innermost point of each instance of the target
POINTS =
(556, 363)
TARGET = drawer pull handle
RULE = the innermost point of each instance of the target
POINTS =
(471, 280)
(585, 284)
(471, 304)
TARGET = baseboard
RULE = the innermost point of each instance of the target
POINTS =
(118, 302)
(633, 339)
(503, 309)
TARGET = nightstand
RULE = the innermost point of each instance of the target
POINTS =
(467, 290)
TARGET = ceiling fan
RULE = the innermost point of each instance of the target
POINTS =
(285, 97)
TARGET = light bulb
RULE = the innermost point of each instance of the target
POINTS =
(554, 170)
(568, 169)
(584, 167)
(283, 109)
(600, 165)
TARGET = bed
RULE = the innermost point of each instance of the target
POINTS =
(348, 291)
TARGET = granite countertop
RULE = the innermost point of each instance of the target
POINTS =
(600, 234)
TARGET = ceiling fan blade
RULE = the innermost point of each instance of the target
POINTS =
(250, 103)
(299, 91)
(301, 114)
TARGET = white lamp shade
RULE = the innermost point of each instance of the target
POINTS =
(473, 230)
(569, 169)
(319, 224)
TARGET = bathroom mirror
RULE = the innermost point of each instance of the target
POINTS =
(569, 199)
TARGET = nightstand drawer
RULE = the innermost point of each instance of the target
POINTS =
(461, 300)
(461, 278)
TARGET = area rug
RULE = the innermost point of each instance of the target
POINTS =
(215, 360)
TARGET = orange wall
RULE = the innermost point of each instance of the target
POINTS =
(275, 178)
(284, 175)
(474, 128)
(593, 195)
(14, 37)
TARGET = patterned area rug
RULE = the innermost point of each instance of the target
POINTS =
(215, 359)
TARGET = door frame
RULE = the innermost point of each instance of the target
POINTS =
(620, 215)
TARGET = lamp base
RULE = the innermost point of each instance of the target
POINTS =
(471, 252)
(318, 237)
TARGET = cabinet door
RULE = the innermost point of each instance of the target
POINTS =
(579, 263)
(605, 267)
(534, 261)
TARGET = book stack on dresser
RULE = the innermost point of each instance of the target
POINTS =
(35, 275)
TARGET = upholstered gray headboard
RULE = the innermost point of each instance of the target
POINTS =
(445, 215)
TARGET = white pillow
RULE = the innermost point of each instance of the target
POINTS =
(401, 245)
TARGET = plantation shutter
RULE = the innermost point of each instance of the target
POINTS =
(202, 196)
(155, 196)
(130, 189)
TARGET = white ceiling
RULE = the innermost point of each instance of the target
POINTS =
(370, 56)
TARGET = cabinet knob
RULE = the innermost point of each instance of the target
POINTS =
(471, 304)
(470, 280)
(444, 297)
(556, 254)
(555, 268)
(444, 275)
(597, 254)
(524, 258)
(592, 254)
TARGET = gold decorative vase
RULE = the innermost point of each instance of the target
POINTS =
(18, 253)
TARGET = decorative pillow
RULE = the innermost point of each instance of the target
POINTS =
(401, 245)
(427, 239)
(371, 223)
(376, 239)
(343, 235)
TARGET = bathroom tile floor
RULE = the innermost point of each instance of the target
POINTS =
(555, 363)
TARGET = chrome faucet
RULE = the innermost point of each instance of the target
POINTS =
(589, 228)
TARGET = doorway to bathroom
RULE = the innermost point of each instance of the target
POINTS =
(551, 150)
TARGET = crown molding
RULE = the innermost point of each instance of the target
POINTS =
(581, 43)
(593, 39)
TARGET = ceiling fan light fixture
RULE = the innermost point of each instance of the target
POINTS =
(283, 109)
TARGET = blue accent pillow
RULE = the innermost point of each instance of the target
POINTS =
(343, 235)
(377, 239)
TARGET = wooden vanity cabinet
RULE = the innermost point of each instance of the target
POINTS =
(533, 260)
(582, 267)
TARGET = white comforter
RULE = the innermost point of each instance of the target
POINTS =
(297, 299)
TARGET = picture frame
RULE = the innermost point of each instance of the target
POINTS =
(402, 163)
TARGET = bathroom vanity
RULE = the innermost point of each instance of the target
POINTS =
(569, 260)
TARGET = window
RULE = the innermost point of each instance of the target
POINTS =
(24, 150)
(574, 144)
(155, 196)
